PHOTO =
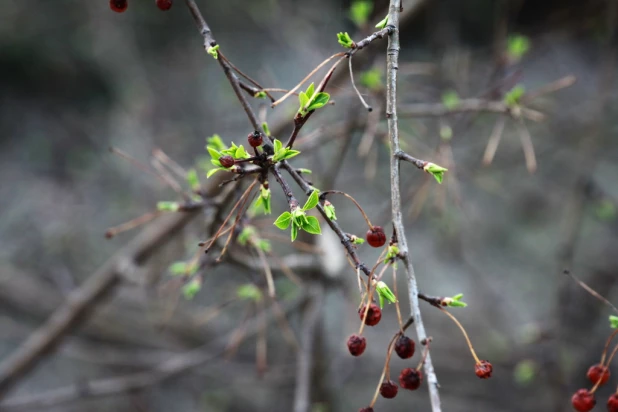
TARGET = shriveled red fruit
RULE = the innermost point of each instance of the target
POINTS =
(226, 161)
(367, 409)
(118, 6)
(410, 379)
(376, 237)
(388, 389)
(255, 139)
(356, 345)
(164, 4)
(483, 369)
(373, 315)
(583, 400)
(404, 347)
(612, 403)
(597, 372)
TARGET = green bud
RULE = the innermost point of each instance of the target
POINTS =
(455, 301)
(385, 293)
(266, 129)
(191, 288)
(329, 209)
(260, 95)
(382, 24)
(613, 322)
(435, 170)
(213, 51)
(345, 40)
(168, 206)
(249, 292)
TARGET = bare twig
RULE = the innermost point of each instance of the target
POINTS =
(393, 131)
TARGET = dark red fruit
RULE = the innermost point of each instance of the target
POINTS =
(583, 400)
(376, 237)
(164, 4)
(226, 161)
(410, 379)
(255, 139)
(404, 347)
(356, 345)
(597, 372)
(373, 315)
(483, 369)
(388, 389)
(612, 403)
(367, 409)
(118, 6)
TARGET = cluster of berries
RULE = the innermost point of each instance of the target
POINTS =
(120, 6)
(583, 400)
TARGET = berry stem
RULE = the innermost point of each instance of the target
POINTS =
(397, 299)
(450, 315)
(339, 192)
(607, 343)
(132, 224)
(425, 352)
(360, 96)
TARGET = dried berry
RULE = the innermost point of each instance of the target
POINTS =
(118, 6)
(483, 369)
(164, 4)
(404, 347)
(376, 237)
(356, 345)
(373, 315)
(612, 403)
(226, 161)
(597, 372)
(410, 379)
(583, 400)
(255, 139)
(388, 389)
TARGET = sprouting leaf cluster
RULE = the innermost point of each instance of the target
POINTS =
(262, 203)
(283, 153)
(311, 100)
(298, 218)
(345, 40)
(216, 148)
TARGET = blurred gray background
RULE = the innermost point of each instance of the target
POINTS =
(76, 78)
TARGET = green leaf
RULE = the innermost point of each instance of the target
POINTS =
(358, 240)
(360, 11)
(312, 226)
(310, 91)
(191, 288)
(294, 232)
(283, 221)
(613, 322)
(246, 234)
(319, 100)
(213, 51)
(277, 145)
(215, 154)
(216, 163)
(313, 200)
(391, 253)
(241, 153)
(193, 179)
(345, 40)
(382, 24)
(372, 79)
(517, 46)
(329, 210)
(168, 206)
(266, 129)
(455, 301)
(436, 171)
(288, 154)
(513, 96)
(450, 99)
(213, 171)
(260, 95)
(385, 293)
(182, 269)
(249, 292)
(215, 142)
(305, 171)
(303, 99)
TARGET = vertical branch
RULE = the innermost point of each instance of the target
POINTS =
(392, 59)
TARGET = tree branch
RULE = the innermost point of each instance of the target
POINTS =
(392, 60)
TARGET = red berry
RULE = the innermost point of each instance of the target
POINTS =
(583, 400)
(255, 139)
(404, 347)
(367, 409)
(164, 4)
(483, 369)
(612, 403)
(388, 389)
(226, 161)
(356, 345)
(118, 5)
(410, 379)
(597, 372)
(373, 315)
(376, 237)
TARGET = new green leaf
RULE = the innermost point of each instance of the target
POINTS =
(436, 171)
(345, 40)
(284, 220)
(313, 200)
(382, 24)
(312, 226)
